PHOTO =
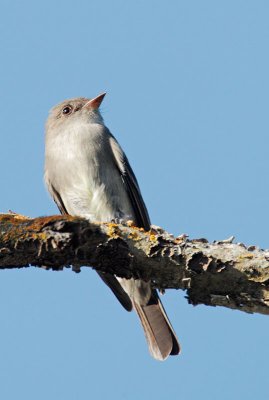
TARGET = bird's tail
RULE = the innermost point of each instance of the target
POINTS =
(161, 338)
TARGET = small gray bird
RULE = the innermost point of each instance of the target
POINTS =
(88, 174)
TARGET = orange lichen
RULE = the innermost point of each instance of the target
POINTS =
(130, 223)
(134, 235)
(113, 230)
(247, 255)
(153, 237)
(16, 226)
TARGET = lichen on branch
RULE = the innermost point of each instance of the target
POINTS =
(221, 273)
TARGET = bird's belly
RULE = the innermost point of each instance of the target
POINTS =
(89, 183)
(96, 200)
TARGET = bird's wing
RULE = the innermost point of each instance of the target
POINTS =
(117, 289)
(140, 213)
(131, 184)
(55, 195)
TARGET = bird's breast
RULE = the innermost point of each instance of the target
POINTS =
(85, 175)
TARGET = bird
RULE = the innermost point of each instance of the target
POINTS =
(88, 174)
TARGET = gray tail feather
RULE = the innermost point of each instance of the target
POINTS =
(161, 338)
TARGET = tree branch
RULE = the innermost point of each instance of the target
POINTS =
(219, 273)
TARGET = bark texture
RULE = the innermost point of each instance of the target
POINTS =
(217, 274)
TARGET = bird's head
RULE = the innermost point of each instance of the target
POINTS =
(78, 110)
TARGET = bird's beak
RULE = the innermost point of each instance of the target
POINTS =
(95, 103)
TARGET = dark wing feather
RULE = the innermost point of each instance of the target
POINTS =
(140, 213)
(56, 197)
(117, 289)
(131, 184)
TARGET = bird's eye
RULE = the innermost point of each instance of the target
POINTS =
(67, 110)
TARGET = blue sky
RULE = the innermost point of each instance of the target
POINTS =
(187, 85)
